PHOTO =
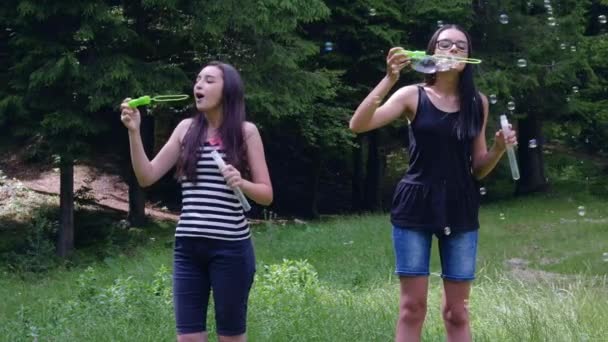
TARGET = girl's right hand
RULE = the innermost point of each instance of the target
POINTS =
(130, 117)
(395, 62)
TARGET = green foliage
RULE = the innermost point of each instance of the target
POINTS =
(559, 58)
(293, 276)
(37, 254)
(68, 65)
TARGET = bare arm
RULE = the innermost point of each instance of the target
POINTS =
(148, 172)
(368, 116)
(484, 161)
(259, 188)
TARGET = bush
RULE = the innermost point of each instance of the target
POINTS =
(38, 252)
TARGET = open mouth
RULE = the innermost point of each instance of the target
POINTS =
(199, 96)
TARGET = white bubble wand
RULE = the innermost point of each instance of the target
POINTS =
(237, 191)
(504, 123)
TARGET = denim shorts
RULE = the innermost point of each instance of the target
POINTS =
(457, 251)
(225, 268)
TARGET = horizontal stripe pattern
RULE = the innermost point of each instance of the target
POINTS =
(209, 207)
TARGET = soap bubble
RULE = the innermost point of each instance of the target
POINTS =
(601, 19)
(551, 21)
(504, 19)
(532, 143)
(329, 46)
(581, 210)
(426, 65)
(372, 12)
(511, 106)
(562, 46)
(482, 191)
(573, 48)
(522, 63)
(575, 89)
(440, 23)
(493, 99)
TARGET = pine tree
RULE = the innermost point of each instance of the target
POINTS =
(72, 64)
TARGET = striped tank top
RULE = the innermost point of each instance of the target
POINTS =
(209, 207)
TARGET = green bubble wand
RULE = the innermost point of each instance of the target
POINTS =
(146, 100)
(431, 64)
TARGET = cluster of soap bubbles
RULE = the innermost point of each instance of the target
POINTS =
(523, 63)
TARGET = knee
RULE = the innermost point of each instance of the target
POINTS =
(412, 311)
(456, 315)
(237, 338)
(195, 337)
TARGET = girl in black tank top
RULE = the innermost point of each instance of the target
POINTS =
(438, 190)
(438, 195)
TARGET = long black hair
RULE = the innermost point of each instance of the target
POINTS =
(230, 130)
(470, 117)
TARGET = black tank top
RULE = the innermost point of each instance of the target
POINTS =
(438, 190)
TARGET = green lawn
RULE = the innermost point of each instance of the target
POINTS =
(541, 277)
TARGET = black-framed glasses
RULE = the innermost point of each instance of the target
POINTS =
(446, 44)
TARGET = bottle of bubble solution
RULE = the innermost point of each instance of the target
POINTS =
(510, 150)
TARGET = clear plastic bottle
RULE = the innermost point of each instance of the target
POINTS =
(504, 123)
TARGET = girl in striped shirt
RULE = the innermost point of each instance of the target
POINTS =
(213, 249)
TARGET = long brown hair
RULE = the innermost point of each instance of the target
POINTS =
(230, 130)
(470, 117)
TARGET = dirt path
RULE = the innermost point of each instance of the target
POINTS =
(106, 190)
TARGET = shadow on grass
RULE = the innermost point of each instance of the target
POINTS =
(29, 247)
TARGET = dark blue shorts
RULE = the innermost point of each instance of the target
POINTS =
(458, 252)
(225, 267)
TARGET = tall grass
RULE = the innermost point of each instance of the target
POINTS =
(541, 277)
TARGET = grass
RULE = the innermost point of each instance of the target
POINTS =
(541, 276)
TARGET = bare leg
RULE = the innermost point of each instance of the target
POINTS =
(455, 310)
(237, 338)
(412, 308)
(195, 337)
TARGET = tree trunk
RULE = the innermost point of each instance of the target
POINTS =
(315, 180)
(137, 195)
(137, 203)
(65, 243)
(530, 156)
(375, 170)
(358, 175)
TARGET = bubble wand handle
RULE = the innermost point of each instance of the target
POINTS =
(146, 100)
(140, 101)
(237, 191)
(504, 123)
(413, 54)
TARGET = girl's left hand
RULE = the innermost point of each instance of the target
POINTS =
(501, 141)
(232, 176)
